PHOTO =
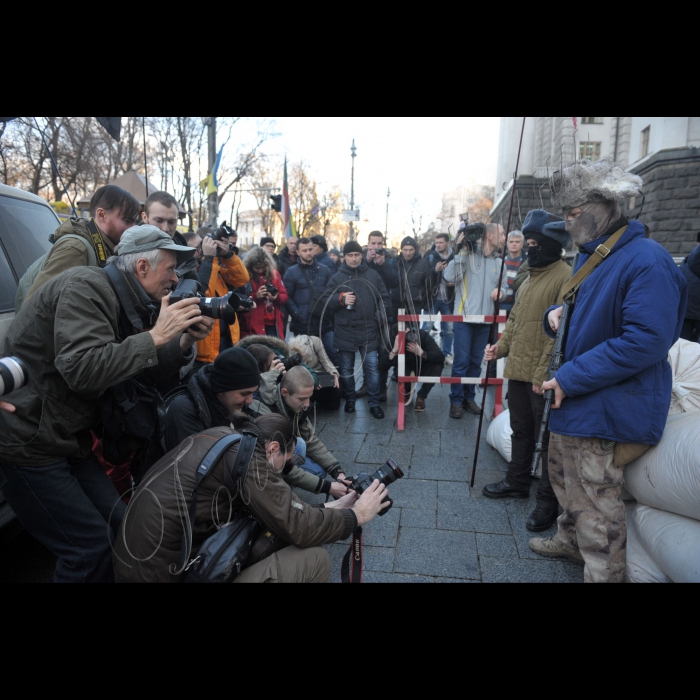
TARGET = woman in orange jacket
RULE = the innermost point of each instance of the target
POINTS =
(267, 318)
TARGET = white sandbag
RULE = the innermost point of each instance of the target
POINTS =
(640, 566)
(685, 362)
(500, 436)
(671, 541)
(668, 476)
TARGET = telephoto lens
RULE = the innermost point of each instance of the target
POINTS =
(13, 375)
(387, 475)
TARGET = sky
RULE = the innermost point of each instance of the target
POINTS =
(417, 157)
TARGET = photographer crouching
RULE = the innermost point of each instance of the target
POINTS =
(83, 332)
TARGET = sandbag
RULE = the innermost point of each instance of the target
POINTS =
(500, 436)
(671, 541)
(685, 362)
(668, 476)
(640, 566)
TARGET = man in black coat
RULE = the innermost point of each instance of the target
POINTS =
(415, 276)
(691, 270)
(289, 257)
(423, 356)
(358, 298)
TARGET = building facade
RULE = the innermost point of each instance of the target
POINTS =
(664, 151)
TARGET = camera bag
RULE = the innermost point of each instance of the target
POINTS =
(224, 555)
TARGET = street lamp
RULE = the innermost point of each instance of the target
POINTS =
(353, 150)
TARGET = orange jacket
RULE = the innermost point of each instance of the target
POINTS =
(224, 274)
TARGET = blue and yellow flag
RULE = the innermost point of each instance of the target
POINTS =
(211, 182)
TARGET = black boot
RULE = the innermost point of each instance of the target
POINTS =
(543, 518)
(350, 407)
(504, 490)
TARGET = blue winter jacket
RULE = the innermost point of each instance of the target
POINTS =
(327, 260)
(628, 315)
(302, 305)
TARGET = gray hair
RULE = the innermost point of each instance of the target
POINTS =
(516, 234)
(127, 263)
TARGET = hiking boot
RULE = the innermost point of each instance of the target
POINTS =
(420, 405)
(554, 550)
(472, 407)
(543, 518)
(362, 393)
(377, 413)
(504, 490)
(350, 407)
(456, 412)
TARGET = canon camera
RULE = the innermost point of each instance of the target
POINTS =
(387, 475)
(222, 234)
(218, 307)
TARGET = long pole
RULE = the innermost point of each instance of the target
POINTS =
(145, 157)
(213, 202)
(388, 199)
(494, 330)
(353, 150)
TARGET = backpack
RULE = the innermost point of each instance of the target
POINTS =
(224, 555)
(27, 282)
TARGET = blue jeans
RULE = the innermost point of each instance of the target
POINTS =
(309, 465)
(328, 345)
(74, 511)
(471, 340)
(370, 363)
(446, 308)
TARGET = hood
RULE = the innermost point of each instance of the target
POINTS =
(270, 392)
(277, 346)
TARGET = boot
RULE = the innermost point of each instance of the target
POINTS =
(420, 405)
(472, 407)
(504, 490)
(555, 550)
(350, 407)
(543, 518)
(456, 412)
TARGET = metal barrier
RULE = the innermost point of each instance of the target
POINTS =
(404, 380)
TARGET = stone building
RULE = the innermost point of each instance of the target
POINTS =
(664, 151)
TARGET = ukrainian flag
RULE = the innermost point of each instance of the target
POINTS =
(211, 182)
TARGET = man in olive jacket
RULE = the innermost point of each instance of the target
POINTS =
(527, 348)
(69, 335)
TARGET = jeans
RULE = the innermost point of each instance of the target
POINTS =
(526, 411)
(328, 344)
(471, 340)
(446, 308)
(309, 465)
(370, 363)
(74, 511)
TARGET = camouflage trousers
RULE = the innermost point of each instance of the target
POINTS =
(589, 489)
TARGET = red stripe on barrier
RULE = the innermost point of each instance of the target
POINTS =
(451, 319)
(448, 381)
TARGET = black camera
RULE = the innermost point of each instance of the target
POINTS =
(217, 308)
(294, 360)
(387, 475)
(13, 375)
(222, 234)
(381, 252)
(272, 290)
(472, 236)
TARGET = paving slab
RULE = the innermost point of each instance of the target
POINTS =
(456, 511)
(419, 519)
(384, 531)
(440, 554)
(499, 546)
(523, 571)
(415, 494)
(431, 468)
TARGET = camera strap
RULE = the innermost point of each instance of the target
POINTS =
(124, 295)
(353, 563)
(97, 243)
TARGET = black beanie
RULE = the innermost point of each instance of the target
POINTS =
(321, 242)
(409, 241)
(233, 370)
(267, 240)
(352, 247)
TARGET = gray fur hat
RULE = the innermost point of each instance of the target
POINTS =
(586, 182)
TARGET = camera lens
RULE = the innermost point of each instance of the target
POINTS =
(221, 308)
(389, 474)
(13, 375)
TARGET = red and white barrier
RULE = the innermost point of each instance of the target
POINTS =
(404, 380)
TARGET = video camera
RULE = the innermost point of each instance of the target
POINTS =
(216, 308)
(473, 235)
(387, 475)
(13, 375)
(222, 234)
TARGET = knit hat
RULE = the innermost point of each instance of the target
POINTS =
(352, 247)
(320, 241)
(409, 242)
(267, 240)
(233, 370)
(541, 223)
(335, 251)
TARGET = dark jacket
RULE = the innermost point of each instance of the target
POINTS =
(188, 270)
(434, 357)
(285, 262)
(693, 312)
(412, 293)
(69, 336)
(306, 285)
(628, 315)
(327, 260)
(438, 288)
(148, 549)
(694, 262)
(360, 327)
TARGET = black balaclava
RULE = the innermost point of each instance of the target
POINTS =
(546, 253)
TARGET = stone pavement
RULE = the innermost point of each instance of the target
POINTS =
(440, 530)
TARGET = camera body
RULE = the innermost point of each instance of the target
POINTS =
(381, 252)
(222, 234)
(216, 308)
(387, 475)
(271, 290)
(294, 360)
(13, 375)
(473, 235)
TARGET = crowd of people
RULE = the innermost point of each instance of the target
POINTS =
(129, 390)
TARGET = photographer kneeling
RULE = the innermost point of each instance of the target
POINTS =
(83, 332)
(149, 547)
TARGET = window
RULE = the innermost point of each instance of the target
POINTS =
(591, 150)
(646, 141)
(591, 120)
(8, 286)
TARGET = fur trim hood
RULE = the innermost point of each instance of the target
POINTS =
(279, 347)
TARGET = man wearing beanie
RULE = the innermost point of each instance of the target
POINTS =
(613, 391)
(321, 253)
(360, 302)
(413, 291)
(528, 349)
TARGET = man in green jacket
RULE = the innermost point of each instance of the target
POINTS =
(527, 348)
(80, 334)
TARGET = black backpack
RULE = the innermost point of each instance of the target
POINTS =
(224, 555)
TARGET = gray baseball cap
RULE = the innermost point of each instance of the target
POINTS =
(142, 239)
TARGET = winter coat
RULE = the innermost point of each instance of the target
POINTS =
(524, 343)
(693, 312)
(360, 327)
(272, 401)
(197, 409)
(389, 273)
(438, 287)
(328, 261)
(314, 354)
(69, 337)
(218, 277)
(434, 356)
(302, 304)
(522, 277)
(413, 292)
(253, 322)
(628, 315)
(285, 262)
(694, 262)
(69, 252)
(148, 549)
(475, 278)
